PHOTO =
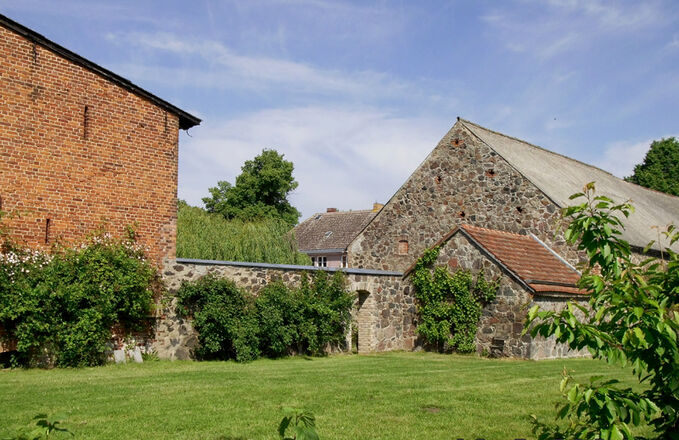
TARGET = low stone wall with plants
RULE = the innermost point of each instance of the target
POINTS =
(382, 314)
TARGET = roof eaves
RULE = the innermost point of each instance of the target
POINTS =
(186, 120)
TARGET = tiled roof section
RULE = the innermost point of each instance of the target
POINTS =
(529, 259)
(331, 230)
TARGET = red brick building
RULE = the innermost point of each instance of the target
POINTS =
(81, 146)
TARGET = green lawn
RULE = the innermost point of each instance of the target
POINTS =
(385, 396)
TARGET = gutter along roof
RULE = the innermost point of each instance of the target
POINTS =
(186, 120)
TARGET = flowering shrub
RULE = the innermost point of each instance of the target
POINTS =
(60, 309)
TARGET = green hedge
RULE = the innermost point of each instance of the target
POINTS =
(235, 324)
(203, 235)
(60, 309)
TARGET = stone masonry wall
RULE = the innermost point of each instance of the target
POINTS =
(77, 150)
(384, 309)
(503, 319)
(461, 181)
(384, 314)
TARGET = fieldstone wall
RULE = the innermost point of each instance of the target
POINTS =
(384, 310)
(461, 181)
(501, 324)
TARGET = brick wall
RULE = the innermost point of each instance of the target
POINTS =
(77, 150)
(461, 181)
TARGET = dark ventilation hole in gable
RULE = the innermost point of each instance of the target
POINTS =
(519, 209)
(461, 214)
(457, 142)
(490, 173)
(437, 179)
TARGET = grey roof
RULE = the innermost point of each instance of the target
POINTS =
(559, 176)
(186, 120)
(331, 230)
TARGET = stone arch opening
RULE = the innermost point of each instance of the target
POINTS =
(364, 321)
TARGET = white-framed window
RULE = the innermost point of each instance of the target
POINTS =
(322, 261)
(344, 261)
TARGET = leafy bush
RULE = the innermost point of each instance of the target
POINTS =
(61, 309)
(449, 306)
(224, 316)
(633, 320)
(210, 236)
(234, 324)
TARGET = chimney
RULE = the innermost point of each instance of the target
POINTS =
(331, 210)
(377, 206)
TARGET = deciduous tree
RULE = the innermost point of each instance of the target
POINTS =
(261, 191)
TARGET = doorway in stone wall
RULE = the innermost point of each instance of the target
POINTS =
(364, 322)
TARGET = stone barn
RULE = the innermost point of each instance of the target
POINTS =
(490, 202)
(81, 146)
(493, 202)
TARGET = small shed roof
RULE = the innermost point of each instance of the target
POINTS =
(331, 230)
(536, 266)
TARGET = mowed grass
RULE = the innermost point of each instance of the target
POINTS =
(384, 396)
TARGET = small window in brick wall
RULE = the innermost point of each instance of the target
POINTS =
(403, 247)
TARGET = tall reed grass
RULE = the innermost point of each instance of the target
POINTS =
(207, 236)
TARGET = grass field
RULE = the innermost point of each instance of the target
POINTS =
(386, 396)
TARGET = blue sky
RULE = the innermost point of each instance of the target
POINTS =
(356, 94)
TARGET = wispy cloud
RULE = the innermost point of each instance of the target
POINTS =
(344, 157)
(220, 66)
(566, 25)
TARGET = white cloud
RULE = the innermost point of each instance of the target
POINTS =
(620, 157)
(344, 157)
(548, 29)
(222, 67)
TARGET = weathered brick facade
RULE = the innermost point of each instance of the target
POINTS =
(80, 146)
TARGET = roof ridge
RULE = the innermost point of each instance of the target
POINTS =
(186, 120)
(355, 211)
(465, 121)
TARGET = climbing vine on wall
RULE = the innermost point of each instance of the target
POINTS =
(449, 306)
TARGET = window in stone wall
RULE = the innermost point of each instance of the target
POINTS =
(344, 261)
(403, 247)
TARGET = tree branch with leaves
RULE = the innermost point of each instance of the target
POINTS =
(632, 320)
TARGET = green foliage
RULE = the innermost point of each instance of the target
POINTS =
(61, 309)
(261, 191)
(203, 235)
(301, 424)
(45, 427)
(223, 315)
(660, 168)
(233, 324)
(449, 306)
(633, 321)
